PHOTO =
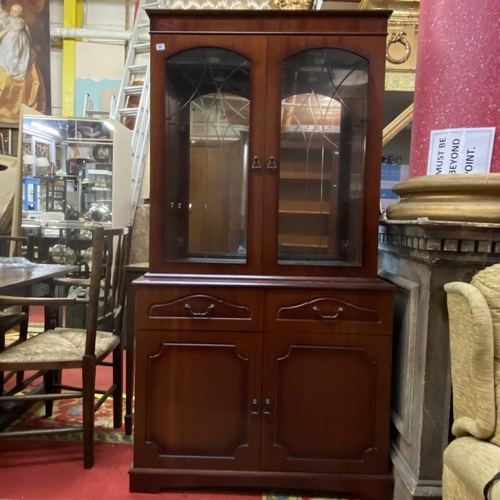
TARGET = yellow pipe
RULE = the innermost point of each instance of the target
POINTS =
(73, 18)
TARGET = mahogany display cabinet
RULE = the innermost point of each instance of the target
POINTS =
(263, 335)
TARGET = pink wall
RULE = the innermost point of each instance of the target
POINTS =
(458, 73)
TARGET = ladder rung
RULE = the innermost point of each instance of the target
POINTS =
(91, 112)
(142, 47)
(128, 111)
(143, 25)
(152, 4)
(134, 90)
(138, 68)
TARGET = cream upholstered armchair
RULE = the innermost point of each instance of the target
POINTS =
(473, 459)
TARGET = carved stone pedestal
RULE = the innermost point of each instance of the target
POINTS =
(420, 257)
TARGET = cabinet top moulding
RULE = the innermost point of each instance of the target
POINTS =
(245, 281)
(342, 23)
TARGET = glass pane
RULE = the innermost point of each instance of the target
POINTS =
(208, 118)
(323, 130)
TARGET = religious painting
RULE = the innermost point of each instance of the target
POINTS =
(24, 57)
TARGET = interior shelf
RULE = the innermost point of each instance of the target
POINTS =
(304, 241)
(304, 207)
(312, 176)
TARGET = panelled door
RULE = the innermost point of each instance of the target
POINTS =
(325, 403)
(209, 418)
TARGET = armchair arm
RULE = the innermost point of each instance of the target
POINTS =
(472, 361)
(6, 300)
(84, 282)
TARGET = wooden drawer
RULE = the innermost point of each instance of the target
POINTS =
(329, 311)
(199, 308)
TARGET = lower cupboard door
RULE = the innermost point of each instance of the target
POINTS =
(326, 403)
(197, 400)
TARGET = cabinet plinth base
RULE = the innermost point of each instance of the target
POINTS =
(363, 486)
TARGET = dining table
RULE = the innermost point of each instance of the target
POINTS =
(29, 279)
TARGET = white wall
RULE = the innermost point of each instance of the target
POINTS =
(98, 60)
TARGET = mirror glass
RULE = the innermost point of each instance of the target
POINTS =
(67, 169)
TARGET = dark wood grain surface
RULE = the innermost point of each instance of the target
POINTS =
(269, 22)
(15, 279)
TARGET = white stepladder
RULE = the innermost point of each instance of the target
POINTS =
(90, 112)
(132, 103)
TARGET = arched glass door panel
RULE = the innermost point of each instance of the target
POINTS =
(322, 155)
(207, 131)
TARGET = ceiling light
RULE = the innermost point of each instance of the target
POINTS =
(108, 125)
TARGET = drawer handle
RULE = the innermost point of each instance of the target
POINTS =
(325, 316)
(187, 306)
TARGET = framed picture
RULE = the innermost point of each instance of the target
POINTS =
(24, 58)
(44, 148)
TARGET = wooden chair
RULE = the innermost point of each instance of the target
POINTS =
(59, 348)
(24, 246)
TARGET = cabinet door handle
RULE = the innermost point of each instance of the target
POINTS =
(187, 306)
(272, 163)
(267, 407)
(255, 407)
(324, 316)
(256, 162)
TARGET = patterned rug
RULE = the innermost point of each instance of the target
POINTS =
(69, 412)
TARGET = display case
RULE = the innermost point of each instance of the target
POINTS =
(263, 333)
(262, 126)
(82, 167)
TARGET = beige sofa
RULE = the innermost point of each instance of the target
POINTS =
(471, 460)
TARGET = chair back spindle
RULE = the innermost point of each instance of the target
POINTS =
(94, 291)
(116, 254)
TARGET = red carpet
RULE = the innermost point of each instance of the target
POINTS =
(44, 470)
(35, 470)
(49, 470)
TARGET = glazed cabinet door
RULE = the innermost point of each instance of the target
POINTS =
(199, 404)
(326, 403)
(207, 182)
(322, 114)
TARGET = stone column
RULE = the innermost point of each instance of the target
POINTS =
(419, 257)
(458, 64)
